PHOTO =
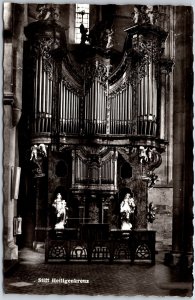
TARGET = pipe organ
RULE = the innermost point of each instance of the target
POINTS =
(97, 110)
(95, 105)
(96, 98)
(92, 170)
(121, 111)
(103, 102)
(69, 109)
(147, 102)
(43, 93)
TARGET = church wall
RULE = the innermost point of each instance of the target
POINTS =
(162, 198)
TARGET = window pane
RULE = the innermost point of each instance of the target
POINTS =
(82, 7)
(81, 17)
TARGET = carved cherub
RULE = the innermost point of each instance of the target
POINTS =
(43, 12)
(143, 155)
(149, 11)
(136, 15)
(109, 36)
(34, 149)
(43, 150)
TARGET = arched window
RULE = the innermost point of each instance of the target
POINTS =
(81, 17)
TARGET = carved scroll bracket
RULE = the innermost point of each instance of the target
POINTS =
(144, 160)
(97, 67)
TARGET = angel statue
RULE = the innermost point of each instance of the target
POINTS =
(61, 212)
(127, 208)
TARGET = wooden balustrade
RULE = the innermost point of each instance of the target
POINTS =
(95, 242)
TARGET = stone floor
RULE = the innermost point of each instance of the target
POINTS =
(33, 276)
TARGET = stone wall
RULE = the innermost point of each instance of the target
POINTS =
(162, 198)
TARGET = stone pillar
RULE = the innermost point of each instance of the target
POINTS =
(12, 100)
(182, 139)
(9, 136)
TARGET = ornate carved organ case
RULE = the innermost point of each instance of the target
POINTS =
(96, 122)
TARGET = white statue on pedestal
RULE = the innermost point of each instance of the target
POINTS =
(127, 208)
(61, 208)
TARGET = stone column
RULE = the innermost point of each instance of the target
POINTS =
(182, 139)
(9, 136)
(12, 100)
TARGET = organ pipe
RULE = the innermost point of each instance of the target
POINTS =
(120, 105)
(154, 93)
(36, 86)
(163, 107)
(146, 91)
(47, 94)
(43, 91)
(130, 117)
(51, 95)
(40, 84)
(104, 104)
(150, 88)
(73, 167)
(96, 99)
(111, 166)
(61, 101)
(42, 98)
(124, 105)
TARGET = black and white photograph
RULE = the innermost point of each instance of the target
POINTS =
(97, 149)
